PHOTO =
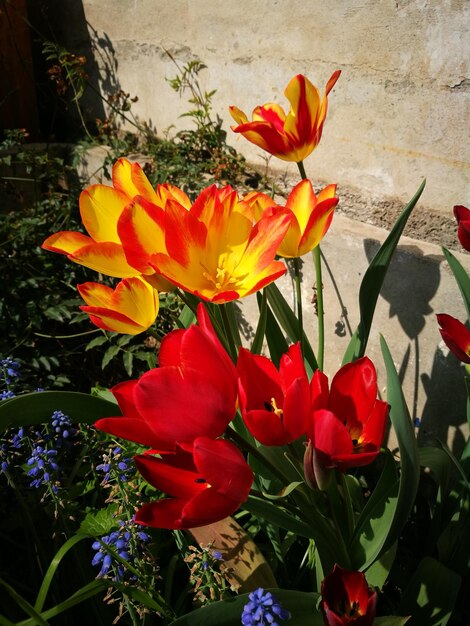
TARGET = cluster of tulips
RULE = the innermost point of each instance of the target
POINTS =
(215, 250)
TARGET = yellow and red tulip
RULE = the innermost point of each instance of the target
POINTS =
(130, 308)
(215, 250)
(294, 136)
(102, 209)
(311, 216)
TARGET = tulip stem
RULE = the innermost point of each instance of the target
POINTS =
(232, 347)
(300, 165)
(320, 311)
(298, 300)
(256, 452)
(348, 503)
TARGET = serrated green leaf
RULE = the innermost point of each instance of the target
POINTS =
(37, 408)
(109, 355)
(97, 341)
(102, 522)
(128, 359)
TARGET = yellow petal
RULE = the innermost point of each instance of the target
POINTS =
(129, 178)
(100, 208)
(107, 258)
(66, 242)
(131, 308)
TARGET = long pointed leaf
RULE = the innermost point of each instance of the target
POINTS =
(372, 282)
(24, 604)
(409, 461)
(461, 277)
(289, 322)
(51, 570)
(302, 606)
(36, 408)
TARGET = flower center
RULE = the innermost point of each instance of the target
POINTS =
(273, 408)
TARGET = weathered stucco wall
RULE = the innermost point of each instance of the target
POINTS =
(399, 112)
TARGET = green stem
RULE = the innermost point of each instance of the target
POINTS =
(347, 503)
(300, 165)
(320, 311)
(232, 346)
(256, 452)
(298, 300)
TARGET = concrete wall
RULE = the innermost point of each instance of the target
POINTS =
(399, 112)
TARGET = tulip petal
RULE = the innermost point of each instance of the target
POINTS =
(181, 405)
(129, 179)
(456, 336)
(66, 242)
(354, 391)
(107, 258)
(141, 228)
(330, 437)
(100, 208)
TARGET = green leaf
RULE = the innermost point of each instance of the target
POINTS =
(97, 524)
(409, 462)
(379, 571)
(79, 596)
(373, 526)
(186, 318)
(257, 343)
(37, 408)
(109, 355)
(372, 282)
(24, 604)
(289, 322)
(51, 570)
(301, 605)
(391, 620)
(127, 359)
(97, 341)
(461, 277)
(274, 514)
(431, 594)
(285, 491)
(275, 339)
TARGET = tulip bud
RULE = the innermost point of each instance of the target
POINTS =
(317, 476)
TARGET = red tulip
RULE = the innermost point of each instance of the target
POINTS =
(462, 215)
(207, 485)
(347, 599)
(348, 423)
(274, 404)
(192, 394)
(456, 336)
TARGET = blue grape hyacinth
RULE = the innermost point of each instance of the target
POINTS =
(44, 470)
(120, 541)
(263, 609)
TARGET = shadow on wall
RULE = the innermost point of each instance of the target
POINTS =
(410, 285)
(63, 24)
